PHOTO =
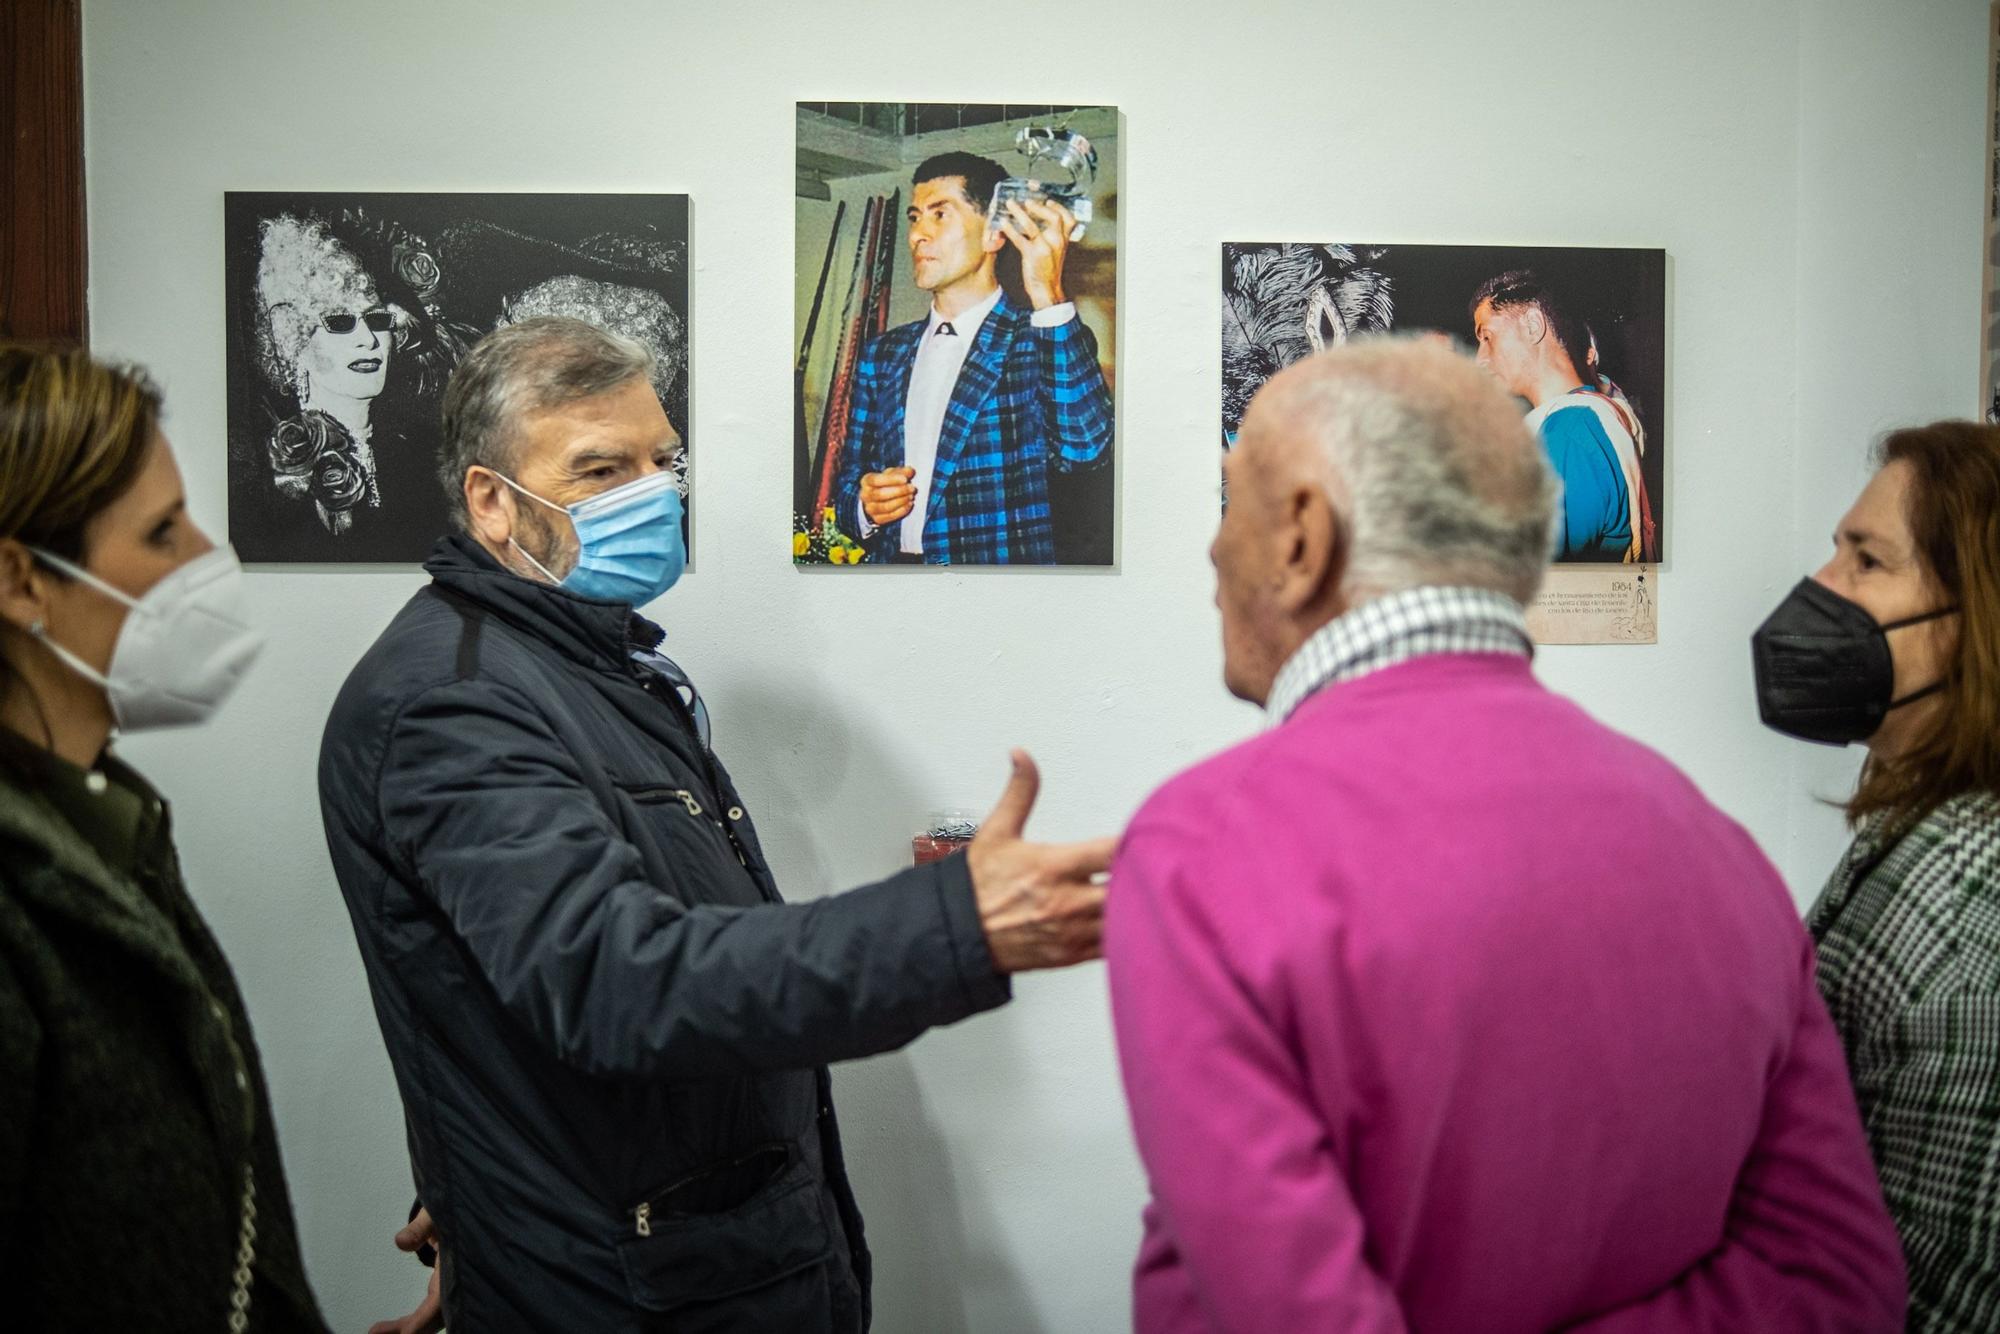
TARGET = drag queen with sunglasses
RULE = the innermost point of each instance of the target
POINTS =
(348, 338)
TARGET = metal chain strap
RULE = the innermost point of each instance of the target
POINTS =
(246, 1253)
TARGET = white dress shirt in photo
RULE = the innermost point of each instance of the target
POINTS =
(933, 376)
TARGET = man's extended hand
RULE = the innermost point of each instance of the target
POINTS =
(888, 496)
(1041, 903)
(428, 1318)
(1039, 229)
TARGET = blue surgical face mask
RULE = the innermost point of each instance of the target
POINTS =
(629, 543)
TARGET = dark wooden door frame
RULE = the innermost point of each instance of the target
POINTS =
(42, 245)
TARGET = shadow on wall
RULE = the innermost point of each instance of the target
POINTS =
(939, 1249)
(938, 1245)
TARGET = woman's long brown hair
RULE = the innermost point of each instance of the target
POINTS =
(1954, 518)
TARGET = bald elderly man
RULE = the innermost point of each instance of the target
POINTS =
(1440, 1005)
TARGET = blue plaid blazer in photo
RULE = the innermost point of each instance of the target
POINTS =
(1027, 400)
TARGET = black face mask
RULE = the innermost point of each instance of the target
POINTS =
(1824, 671)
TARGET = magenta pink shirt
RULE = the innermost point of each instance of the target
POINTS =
(1443, 1007)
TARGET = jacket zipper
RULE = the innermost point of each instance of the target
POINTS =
(680, 794)
(694, 808)
(642, 1212)
(672, 699)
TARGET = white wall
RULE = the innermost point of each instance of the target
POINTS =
(1892, 225)
(1813, 170)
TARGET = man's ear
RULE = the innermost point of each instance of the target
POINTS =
(1315, 548)
(1534, 324)
(23, 586)
(488, 506)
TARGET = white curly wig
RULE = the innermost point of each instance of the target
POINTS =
(637, 313)
(303, 273)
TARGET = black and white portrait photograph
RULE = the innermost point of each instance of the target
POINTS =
(1576, 334)
(348, 312)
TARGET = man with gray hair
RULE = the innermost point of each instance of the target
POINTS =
(1440, 1005)
(610, 1034)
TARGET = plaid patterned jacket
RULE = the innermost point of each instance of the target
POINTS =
(1026, 399)
(1909, 960)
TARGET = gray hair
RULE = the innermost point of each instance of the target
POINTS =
(1430, 464)
(538, 364)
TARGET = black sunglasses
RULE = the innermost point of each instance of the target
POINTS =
(378, 321)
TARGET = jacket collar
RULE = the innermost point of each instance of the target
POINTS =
(595, 633)
(967, 323)
(111, 809)
(88, 889)
(899, 345)
(977, 380)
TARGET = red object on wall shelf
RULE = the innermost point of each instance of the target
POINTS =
(926, 848)
(945, 832)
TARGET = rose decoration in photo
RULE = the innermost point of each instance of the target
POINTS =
(313, 457)
(416, 267)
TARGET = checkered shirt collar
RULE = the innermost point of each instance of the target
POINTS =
(1396, 628)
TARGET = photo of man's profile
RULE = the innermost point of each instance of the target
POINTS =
(1577, 334)
(956, 322)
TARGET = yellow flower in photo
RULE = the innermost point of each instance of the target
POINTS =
(801, 544)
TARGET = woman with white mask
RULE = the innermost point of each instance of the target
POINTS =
(140, 1181)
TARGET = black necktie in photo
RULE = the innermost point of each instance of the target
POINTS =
(944, 327)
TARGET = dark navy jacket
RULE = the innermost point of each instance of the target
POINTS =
(608, 1030)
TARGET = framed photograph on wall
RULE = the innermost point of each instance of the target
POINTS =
(1577, 334)
(957, 283)
(346, 314)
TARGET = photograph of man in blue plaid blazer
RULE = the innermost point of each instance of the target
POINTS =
(968, 459)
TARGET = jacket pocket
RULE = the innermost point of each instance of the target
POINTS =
(685, 844)
(681, 1252)
(655, 794)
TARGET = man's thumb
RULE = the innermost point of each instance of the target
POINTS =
(1010, 813)
(416, 1232)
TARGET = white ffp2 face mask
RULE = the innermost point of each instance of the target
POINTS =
(183, 647)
